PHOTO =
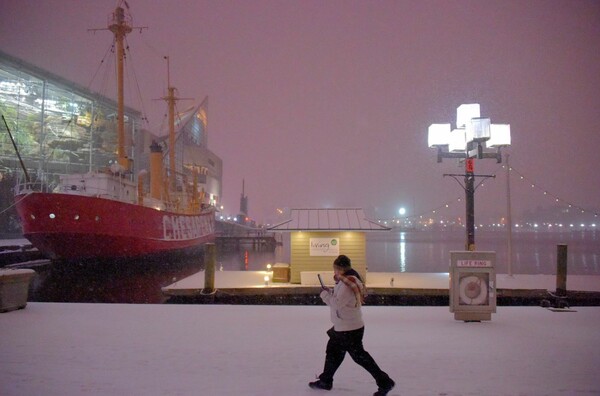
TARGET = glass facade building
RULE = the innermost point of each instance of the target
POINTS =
(60, 127)
(192, 154)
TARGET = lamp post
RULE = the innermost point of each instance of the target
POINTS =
(473, 137)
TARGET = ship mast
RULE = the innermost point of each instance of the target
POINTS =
(120, 28)
(171, 99)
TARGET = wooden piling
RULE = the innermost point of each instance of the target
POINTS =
(210, 262)
(561, 270)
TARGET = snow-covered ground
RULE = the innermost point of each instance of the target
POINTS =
(102, 349)
(14, 242)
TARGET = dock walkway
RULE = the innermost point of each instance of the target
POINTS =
(384, 288)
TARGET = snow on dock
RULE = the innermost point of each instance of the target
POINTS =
(388, 288)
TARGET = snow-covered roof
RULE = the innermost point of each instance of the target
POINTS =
(332, 219)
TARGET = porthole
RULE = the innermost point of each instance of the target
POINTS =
(52, 215)
(76, 217)
(32, 216)
(97, 218)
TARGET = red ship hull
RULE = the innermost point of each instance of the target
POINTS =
(65, 226)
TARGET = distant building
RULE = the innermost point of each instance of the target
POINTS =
(59, 126)
(192, 153)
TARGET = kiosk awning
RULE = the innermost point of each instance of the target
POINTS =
(335, 219)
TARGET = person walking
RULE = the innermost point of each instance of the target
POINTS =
(345, 301)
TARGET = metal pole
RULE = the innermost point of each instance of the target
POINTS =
(42, 161)
(508, 217)
(470, 205)
(92, 115)
(171, 102)
(16, 150)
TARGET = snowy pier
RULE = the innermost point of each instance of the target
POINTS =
(384, 288)
(157, 349)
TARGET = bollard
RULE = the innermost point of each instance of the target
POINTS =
(210, 259)
(561, 270)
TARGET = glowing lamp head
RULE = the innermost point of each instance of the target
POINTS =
(466, 112)
(499, 135)
(438, 135)
(478, 130)
(458, 142)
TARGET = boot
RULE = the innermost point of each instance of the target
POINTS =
(320, 384)
(384, 389)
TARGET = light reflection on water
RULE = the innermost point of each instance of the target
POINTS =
(402, 246)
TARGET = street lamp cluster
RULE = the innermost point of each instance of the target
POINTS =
(473, 137)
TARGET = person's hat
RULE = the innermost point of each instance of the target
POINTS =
(342, 262)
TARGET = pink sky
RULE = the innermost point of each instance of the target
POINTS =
(327, 103)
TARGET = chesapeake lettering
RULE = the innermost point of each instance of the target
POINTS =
(186, 227)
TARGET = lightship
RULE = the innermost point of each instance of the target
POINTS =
(108, 214)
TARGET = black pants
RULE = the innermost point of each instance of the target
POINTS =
(341, 342)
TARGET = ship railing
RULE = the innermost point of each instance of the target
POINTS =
(91, 191)
(29, 187)
(71, 189)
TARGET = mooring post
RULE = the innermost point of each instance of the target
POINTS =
(210, 261)
(561, 270)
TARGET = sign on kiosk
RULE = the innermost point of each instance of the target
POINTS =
(474, 263)
(324, 247)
